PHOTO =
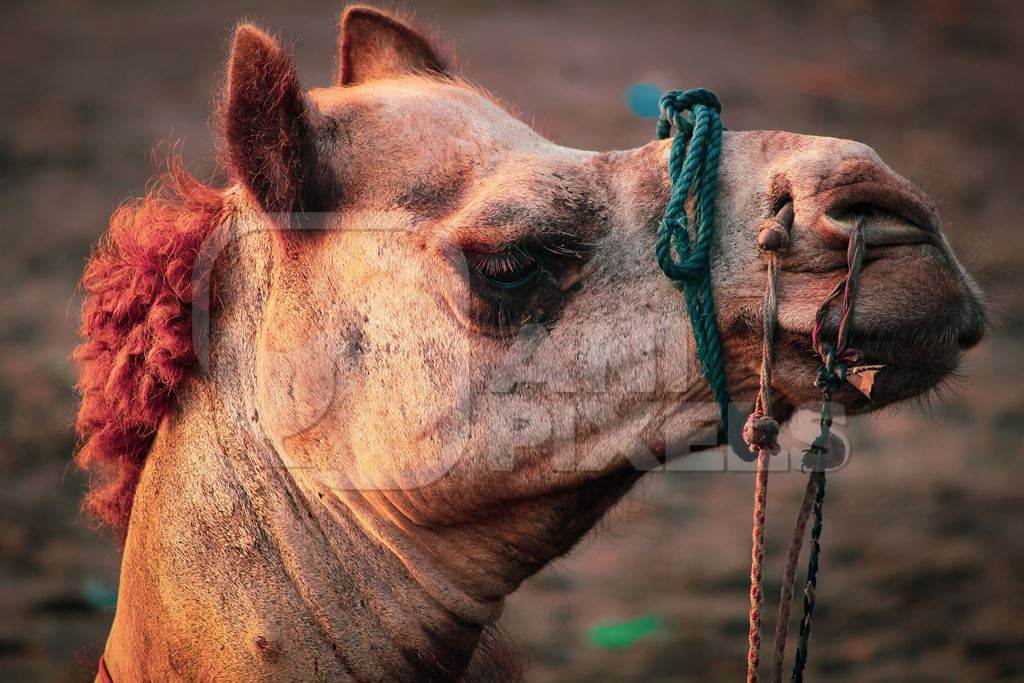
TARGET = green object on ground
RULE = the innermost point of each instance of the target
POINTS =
(613, 635)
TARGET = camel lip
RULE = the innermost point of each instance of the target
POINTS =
(899, 380)
(911, 372)
(893, 384)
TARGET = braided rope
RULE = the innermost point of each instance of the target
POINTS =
(761, 433)
(755, 618)
(693, 173)
(789, 580)
(810, 590)
(831, 376)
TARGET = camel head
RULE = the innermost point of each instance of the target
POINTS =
(466, 333)
(470, 315)
(440, 348)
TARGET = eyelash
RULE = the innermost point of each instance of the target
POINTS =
(506, 270)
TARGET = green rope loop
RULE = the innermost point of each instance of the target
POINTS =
(693, 172)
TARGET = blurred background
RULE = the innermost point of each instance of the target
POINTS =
(923, 560)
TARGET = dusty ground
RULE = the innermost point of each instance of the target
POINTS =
(924, 549)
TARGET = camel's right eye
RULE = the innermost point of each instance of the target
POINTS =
(507, 287)
(507, 270)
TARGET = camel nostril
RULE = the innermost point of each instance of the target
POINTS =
(889, 208)
(887, 225)
(873, 212)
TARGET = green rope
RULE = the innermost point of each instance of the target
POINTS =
(693, 172)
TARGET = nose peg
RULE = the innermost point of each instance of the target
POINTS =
(773, 233)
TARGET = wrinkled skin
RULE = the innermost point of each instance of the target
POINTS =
(382, 443)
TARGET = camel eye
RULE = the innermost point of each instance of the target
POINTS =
(506, 270)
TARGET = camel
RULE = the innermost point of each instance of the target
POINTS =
(341, 407)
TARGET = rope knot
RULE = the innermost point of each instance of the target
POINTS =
(827, 452)
(761, 433)
(831, 373)
(831, 380)
(677, 101)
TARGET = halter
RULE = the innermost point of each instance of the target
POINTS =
(693, 175)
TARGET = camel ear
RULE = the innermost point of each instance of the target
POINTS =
(372, 45)
(266, 126)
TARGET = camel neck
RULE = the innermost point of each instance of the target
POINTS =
(229, 565)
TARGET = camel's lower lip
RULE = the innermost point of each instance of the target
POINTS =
(897, 382)
(908, 371)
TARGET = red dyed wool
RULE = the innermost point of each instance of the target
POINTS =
(137, 332)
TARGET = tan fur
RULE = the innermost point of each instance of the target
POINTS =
(363, 470)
